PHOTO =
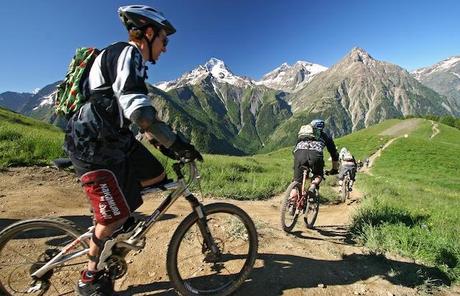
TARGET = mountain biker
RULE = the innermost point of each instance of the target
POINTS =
(112, 165)
(347, 164)
(308, 151)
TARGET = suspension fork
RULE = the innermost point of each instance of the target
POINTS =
(203, 224)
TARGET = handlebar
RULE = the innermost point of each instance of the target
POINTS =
(194, 173)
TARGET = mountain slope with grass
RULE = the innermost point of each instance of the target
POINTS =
(25, 141)
(406, 211)
(412, 200)
(357, 92)
(409, 209)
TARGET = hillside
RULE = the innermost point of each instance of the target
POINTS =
(414, 198)
(26, 141)
(443, 77)
(357, 92)
(225, 113)
(407, 211)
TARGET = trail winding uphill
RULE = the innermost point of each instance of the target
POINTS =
(397, 131)
(323, 261)
(435, 129)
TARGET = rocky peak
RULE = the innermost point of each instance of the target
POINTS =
(291, 78)
(359, 55)
(451, 64)
(214, 68)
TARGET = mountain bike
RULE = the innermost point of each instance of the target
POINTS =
(212, 251)
(345, 188)
(301, 203)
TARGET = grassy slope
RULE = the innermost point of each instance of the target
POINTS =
(413, 202)
(264, 175)
(26, 141)
(413, 198)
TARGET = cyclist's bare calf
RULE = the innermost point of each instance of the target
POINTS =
(104, 231)
(101, 233)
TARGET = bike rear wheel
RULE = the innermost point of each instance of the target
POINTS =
(345, 192)
(289, 212)
(194, 270)
(312, 210)
(27, 245)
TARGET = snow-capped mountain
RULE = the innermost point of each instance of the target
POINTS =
(448, 65)
(360, 91)
(443, 77)
(291, 78)
(41, 105)
(214, 68)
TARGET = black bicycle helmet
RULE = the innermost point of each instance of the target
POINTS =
(141, 16)
(318, 124)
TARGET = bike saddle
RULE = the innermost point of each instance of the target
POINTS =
(62, 163)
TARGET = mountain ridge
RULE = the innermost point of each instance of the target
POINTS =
(232, 114)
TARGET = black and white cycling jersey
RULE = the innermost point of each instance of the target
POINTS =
(99, 132)
(318, 145)
(120, 69)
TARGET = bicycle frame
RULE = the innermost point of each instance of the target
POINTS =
(302, 200)
(129, 240)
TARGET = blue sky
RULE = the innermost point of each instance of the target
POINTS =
(252, 36)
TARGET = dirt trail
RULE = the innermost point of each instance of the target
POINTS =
(435, 129)
(323, 261)
(397, 131)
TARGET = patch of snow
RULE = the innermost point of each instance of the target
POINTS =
(214, 67)
(456, 74)
(162, 85)
(446, 64)
(441, 66)
(46, 101)
(285, 77)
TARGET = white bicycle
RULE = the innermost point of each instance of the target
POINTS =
(212, 251)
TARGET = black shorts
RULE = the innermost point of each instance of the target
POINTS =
(347, 168)
(139, 165)
(311, 159)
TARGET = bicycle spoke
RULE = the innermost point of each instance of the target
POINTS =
(27, 246)
(200, 270)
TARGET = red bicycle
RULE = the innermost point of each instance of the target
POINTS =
(302, 202)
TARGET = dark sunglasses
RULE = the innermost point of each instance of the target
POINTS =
(165, 41)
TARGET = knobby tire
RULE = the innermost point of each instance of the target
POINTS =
(16, 241)
(185, 233)
(289, 215)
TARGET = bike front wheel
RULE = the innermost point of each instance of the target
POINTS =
(289, 212)
(195, 270)
(312, 210)
(28, 245)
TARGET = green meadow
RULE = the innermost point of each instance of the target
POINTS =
(25, 141)
(411, 202)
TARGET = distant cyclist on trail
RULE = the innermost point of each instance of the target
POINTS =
(347, 164)
(113, 166)
(308, 152)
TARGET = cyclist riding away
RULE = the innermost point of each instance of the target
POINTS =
(308, 152)
(347, 164)
(112, 165)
